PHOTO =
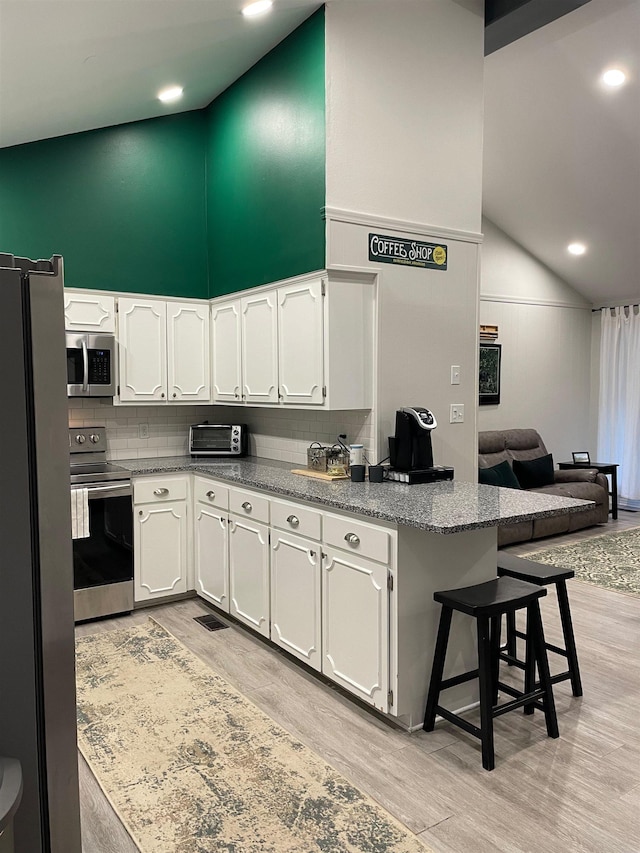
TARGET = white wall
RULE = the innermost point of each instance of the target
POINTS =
(404, 109)
(545, 332)
(427, 321)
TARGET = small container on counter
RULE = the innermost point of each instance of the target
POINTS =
(356, 454)
(357, 473)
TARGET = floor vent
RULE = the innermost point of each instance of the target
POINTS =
(210, 622)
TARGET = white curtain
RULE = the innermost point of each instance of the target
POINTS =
(619, 407)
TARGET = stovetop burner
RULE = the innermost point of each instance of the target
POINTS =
(98, 472)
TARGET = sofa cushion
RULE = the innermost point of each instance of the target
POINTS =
(534, 473)
(499, 475)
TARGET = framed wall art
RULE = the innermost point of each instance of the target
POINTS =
(489, 374)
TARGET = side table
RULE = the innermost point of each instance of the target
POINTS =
(607, 468)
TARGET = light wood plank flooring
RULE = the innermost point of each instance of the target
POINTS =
(577, 794)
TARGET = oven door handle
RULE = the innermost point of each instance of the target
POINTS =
(99, 491)
(85, 365)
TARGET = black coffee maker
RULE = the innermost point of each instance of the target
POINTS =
(410, 449)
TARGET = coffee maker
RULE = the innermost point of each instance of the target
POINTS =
(410, 450)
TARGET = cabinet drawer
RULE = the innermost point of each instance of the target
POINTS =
(296, 519)
(249, 505)
(157, 489)
(211, 492)
(357, 537)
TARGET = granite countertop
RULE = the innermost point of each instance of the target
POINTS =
(447, 507)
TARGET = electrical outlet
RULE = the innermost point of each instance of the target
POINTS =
(456, 414)
(143, 430)
(455, 374)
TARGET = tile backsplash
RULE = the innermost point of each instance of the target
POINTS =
(282, 434)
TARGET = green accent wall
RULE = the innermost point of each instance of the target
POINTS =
(124, 206)
(266, 167)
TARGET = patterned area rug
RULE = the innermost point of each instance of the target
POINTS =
(191, 766)
(611, 560)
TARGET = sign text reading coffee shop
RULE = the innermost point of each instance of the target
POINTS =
(408, 253)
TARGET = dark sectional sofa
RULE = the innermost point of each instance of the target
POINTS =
(496, 446)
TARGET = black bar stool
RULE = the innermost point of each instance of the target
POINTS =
(487, 602)
(542, 575)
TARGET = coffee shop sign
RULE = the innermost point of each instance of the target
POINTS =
(410, 253)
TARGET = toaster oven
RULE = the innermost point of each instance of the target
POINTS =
(218, 439)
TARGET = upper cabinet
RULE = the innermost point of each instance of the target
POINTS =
(163, 351)
(302, 344)
(86, 312)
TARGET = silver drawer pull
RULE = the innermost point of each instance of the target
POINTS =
(246, 506)
(293, 520)
(211, 495)
(160, 493)
(352, 539)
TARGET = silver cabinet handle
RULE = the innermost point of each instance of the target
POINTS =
(160, 492)
(293, 520)
(352, 539)
(211, 495)
(246, 506)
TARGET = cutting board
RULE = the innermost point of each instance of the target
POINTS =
(319, 475)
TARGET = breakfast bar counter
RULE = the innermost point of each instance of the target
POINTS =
(447, 507)
(339, 574)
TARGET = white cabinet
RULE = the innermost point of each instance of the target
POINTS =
(249, 572)
(142, 348)
(188, 374)
(86, 312)
(211, 541)
(226, 347)
(355, 625)
(296, 556)
(301, 343)
(308, 343)
(357, 572)
(260, 347)
(163, 351)
(161, 540)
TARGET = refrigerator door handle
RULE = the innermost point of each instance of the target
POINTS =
(85, 365)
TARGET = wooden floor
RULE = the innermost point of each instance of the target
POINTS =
(572, 795)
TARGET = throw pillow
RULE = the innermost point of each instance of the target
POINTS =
(534, 473)
(499, 475)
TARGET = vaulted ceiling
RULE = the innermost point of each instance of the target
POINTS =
(561, 154)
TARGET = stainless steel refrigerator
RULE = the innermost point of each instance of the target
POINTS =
(37, 670)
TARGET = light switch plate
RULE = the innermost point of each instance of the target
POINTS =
(455, 374)
(456, 414)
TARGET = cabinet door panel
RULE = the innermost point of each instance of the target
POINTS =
(212, 555)
(300, 343)
(87, 313)
(260, 348)
(188, 352)
(160, 550)
(142, 338)
(227, 352)
(249, 573)
(355, 626)
(295, 597)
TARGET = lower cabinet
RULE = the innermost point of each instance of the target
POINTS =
(295, 596)
(212, 554)
(355, 626)
(161, 537)
(249, 572)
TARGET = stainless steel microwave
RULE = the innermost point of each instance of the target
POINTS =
(218, 439)
(91, 363)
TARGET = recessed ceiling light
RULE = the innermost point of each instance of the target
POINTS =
(257, 8)
(173, 93)
(577, 248)
(614, 77)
